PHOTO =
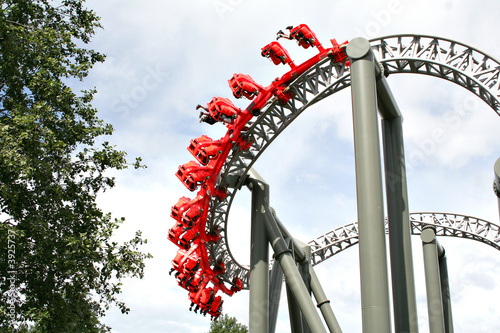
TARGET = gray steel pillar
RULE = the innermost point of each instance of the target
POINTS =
(445, 290)
(403, 279)
(303, 266)
(259, 259)
(323, 303)
(275, 284)
(372, 247)
(298, 323)
(294, 312)
(433, 281)
(262, 210)
(315, 286)
(293, 279)
(298, 251)
(496, 184)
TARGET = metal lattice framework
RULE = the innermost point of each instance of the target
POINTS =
(445, 224)
(439, 57)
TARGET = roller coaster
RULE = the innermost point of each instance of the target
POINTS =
(204, 264)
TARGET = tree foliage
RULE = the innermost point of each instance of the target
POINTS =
(227, 324)
(59, 267)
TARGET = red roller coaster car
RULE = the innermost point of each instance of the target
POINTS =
(193, 267)
(192, 174)
(277, 53)
(205, 149)
(244, 85)
(219, 109)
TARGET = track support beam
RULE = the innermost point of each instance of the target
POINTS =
(259, 259)
(398, 216)
(372, 245)
(293, 278)
(445, 291)
(433, 280)
(323, 303)
(302, 254)
(496, 184)
(272, 234)
(275, 284)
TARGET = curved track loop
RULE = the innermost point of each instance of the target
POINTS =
(252, 130)
(443, 58)
(445, 224)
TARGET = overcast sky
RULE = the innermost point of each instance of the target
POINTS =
(165, 57)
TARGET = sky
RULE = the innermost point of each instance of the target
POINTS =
(166, 57)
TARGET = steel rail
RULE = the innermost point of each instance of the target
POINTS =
(416, 54)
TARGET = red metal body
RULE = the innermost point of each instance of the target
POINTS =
(187, 211)
(179, 208)
(193, 268)
(219, 109)
(175, 232)
(191, 217)
(304, 36)
(244, 143)
(213, 236)
(277, 53)
(282, 94)
(192, 174)
(219, 268)
(191, 265)
(215, 308)
(339, 53)
(193, 283)
(244, 85)
(179, 260)
(187, 262)
(205, 149)
(182, 236)
(187, 237)
(237, 285)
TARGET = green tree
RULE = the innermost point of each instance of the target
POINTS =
(227, 324)
(59, 268)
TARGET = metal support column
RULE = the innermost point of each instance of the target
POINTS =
(445, 290)
(284, 256)
(323, 303)
(303, 265)
(275, 284)
(301, 254)
(292, 276)
(433, 281)
(259, 260)
(296, 324)
(372, 245)
(496, 184)
(403, 280)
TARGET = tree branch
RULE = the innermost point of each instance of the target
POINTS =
(19, 24)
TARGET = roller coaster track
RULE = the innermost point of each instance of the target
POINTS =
(439, 57)
(445, 224)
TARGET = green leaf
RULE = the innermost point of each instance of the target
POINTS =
(67, 269)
